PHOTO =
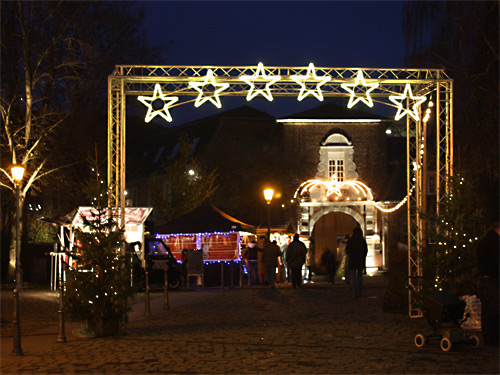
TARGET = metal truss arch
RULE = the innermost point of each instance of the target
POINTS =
(175, 80)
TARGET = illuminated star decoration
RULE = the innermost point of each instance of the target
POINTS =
(149, 100)
(399, 99)
(350, 87)
(213, 97)
(266, 93)
(301, 81)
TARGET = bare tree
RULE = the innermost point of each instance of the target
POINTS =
(463, 38)
(55, 57)
(38, 54)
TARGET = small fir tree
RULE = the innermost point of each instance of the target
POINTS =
(449, 255)
(98, 283)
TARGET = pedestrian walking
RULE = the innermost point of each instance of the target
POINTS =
(286, 267)
(308, 265)
(270, 255)
(251, 256)
(487, 269)
(329, 260)
(357, 250)
(296, 256)
(344, 259)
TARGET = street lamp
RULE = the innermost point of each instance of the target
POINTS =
(17, 172)
(268, 195)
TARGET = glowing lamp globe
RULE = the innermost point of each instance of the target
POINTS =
(17, 172)
(268, 195)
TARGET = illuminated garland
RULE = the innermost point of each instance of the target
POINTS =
(396, 207)
(350, 87)
(320, 81)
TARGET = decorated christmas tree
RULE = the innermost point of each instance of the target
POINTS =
(98, 276)
(449, 256)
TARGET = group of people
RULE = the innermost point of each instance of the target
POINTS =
(294, 253)
(297, 255)
(353, 250)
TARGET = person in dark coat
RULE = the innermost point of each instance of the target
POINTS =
(295, 258)
(357, 250)
(251, 255)
(330, 262)
(270, 255)
(488, 279)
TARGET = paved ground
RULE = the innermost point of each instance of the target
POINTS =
(318, 329)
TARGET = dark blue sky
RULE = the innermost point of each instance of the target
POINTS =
(282, 33)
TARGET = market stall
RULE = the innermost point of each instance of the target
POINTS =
(135, 218)
(209, 229)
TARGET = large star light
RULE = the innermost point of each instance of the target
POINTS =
(212, 97)
(311, 72)
(360, 81)
(399, 99)
(163, 112)
(260, 75)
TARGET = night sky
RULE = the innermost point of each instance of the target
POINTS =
(361, 34)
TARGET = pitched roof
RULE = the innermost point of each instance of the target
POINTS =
(331, 110)
(147, 150)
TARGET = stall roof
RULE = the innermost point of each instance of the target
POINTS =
(133, 216)
(204, 219)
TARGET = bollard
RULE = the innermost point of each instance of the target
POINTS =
(147, 310)
(232, 276)
(241, 273)
(166, 305)
(222, 275)
(61, 335)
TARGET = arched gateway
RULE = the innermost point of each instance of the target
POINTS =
(407, 90)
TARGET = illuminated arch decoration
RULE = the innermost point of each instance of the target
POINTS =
(141, 81)
(351, 88)
(399, 99)
(163, 112)
(260, 75)
(301, 80)
(333, 186)
(212, 97)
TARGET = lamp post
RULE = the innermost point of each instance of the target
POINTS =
(268, 195)
(17, 172)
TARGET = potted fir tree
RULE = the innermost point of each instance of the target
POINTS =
(98, 282)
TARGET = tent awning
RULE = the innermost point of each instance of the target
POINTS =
(205, 219)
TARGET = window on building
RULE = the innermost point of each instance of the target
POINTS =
(158, 154)
(336, 166)
(174, 150)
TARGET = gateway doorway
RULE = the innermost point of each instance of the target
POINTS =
(328, 230)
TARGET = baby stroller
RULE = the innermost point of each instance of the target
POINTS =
(445, 314)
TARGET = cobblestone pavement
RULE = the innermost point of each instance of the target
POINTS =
(317, 329)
